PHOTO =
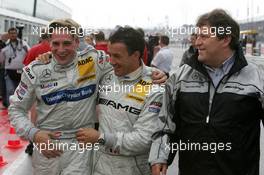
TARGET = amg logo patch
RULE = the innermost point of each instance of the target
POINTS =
(115, 105)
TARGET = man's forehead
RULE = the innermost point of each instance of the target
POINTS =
(205, 30)
(12, 31)
(61, 36)
(204, 27)
(117, 45)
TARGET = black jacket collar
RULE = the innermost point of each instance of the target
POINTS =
(240, 62)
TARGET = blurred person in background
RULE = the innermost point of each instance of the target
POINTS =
(163, 59)
(3, 40)
(12, 56)
(191, 51)
(100, 41)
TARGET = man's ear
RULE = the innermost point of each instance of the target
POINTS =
(136, 54)
(227, 40)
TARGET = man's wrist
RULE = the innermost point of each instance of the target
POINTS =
(32, 133)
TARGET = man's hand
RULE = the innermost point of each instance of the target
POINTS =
(87, 135)
(44, 58)
(159, 168)
(42, 140)
(158, 77)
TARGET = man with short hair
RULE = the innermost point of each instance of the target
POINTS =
(163, 59)
(212, 107)
(12, 57)
(3, 40)
(65, 91)
(128, 114)
(100, 42)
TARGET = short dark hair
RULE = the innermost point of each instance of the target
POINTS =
(164, 39)
(12, 29)
(219, 18)
(100, 36)
(44, 34)
(130, 37)
(141, 31)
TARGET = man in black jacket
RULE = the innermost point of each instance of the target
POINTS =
(212, 107)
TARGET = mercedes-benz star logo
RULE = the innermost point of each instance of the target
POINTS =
(46, 73)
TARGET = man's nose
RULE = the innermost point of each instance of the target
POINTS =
(198, 41)
(61, 47)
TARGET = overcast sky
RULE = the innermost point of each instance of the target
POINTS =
(149, 13)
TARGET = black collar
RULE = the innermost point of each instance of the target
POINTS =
(240, 62)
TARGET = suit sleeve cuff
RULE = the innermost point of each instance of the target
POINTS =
(110, 139)
(158, 161)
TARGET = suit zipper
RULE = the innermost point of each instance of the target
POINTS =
(211, 98)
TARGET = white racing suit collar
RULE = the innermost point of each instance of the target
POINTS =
(142, 70)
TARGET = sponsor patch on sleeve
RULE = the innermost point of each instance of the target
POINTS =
(154, 107)
(23, 85)
(21, 90)
(29, 73)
